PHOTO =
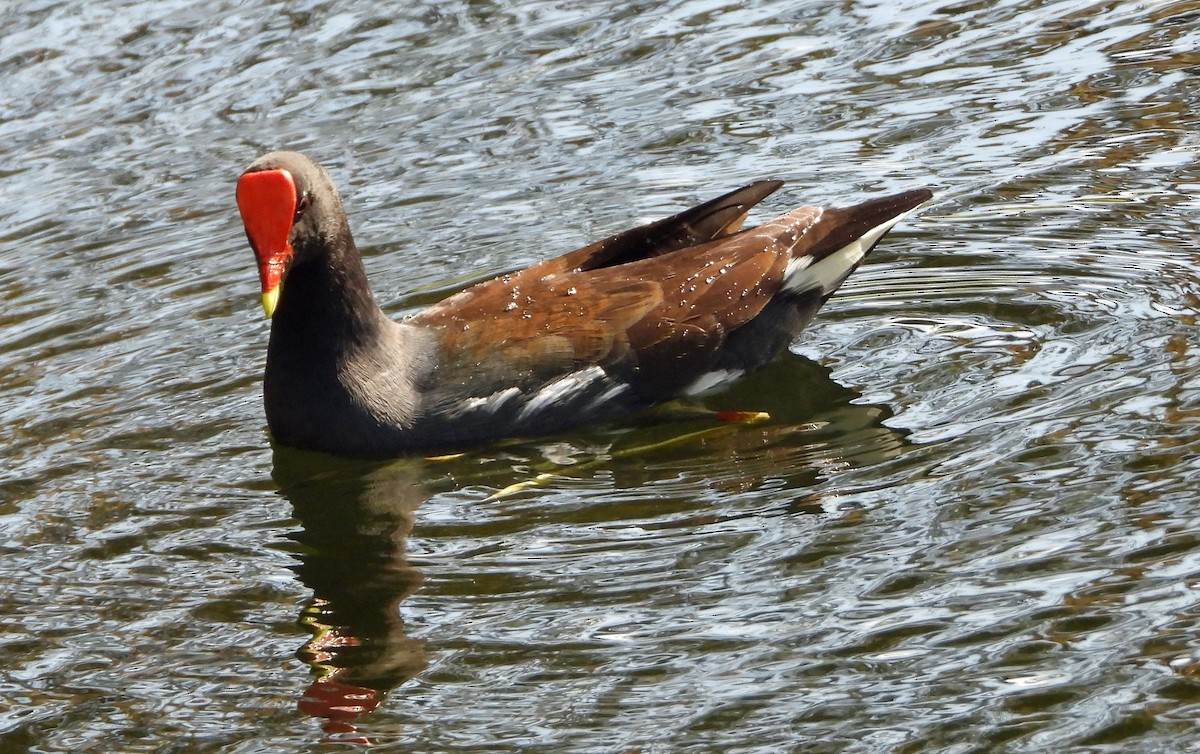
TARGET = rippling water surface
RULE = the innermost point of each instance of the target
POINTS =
(970, 524)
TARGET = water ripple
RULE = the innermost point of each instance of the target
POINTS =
(967, 526)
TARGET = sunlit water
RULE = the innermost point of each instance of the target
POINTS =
(970, 524)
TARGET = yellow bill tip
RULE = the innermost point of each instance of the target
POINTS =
(271, 300)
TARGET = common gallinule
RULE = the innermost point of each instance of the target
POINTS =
(674, 308)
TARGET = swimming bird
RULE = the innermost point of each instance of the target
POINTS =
(675, 308)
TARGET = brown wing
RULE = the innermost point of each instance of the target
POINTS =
(705, 222)
(654, 323)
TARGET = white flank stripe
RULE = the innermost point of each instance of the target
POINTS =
(563, 387)
(802, 275)
(608, 395)
(713, 380)
(490, 403)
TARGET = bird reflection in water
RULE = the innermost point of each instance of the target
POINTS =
(356, 516)
(355, 521)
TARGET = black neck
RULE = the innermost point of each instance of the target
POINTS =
(326, 303)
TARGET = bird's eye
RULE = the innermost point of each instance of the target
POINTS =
(301, 206)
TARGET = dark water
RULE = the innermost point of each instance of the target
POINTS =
(969, 526)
